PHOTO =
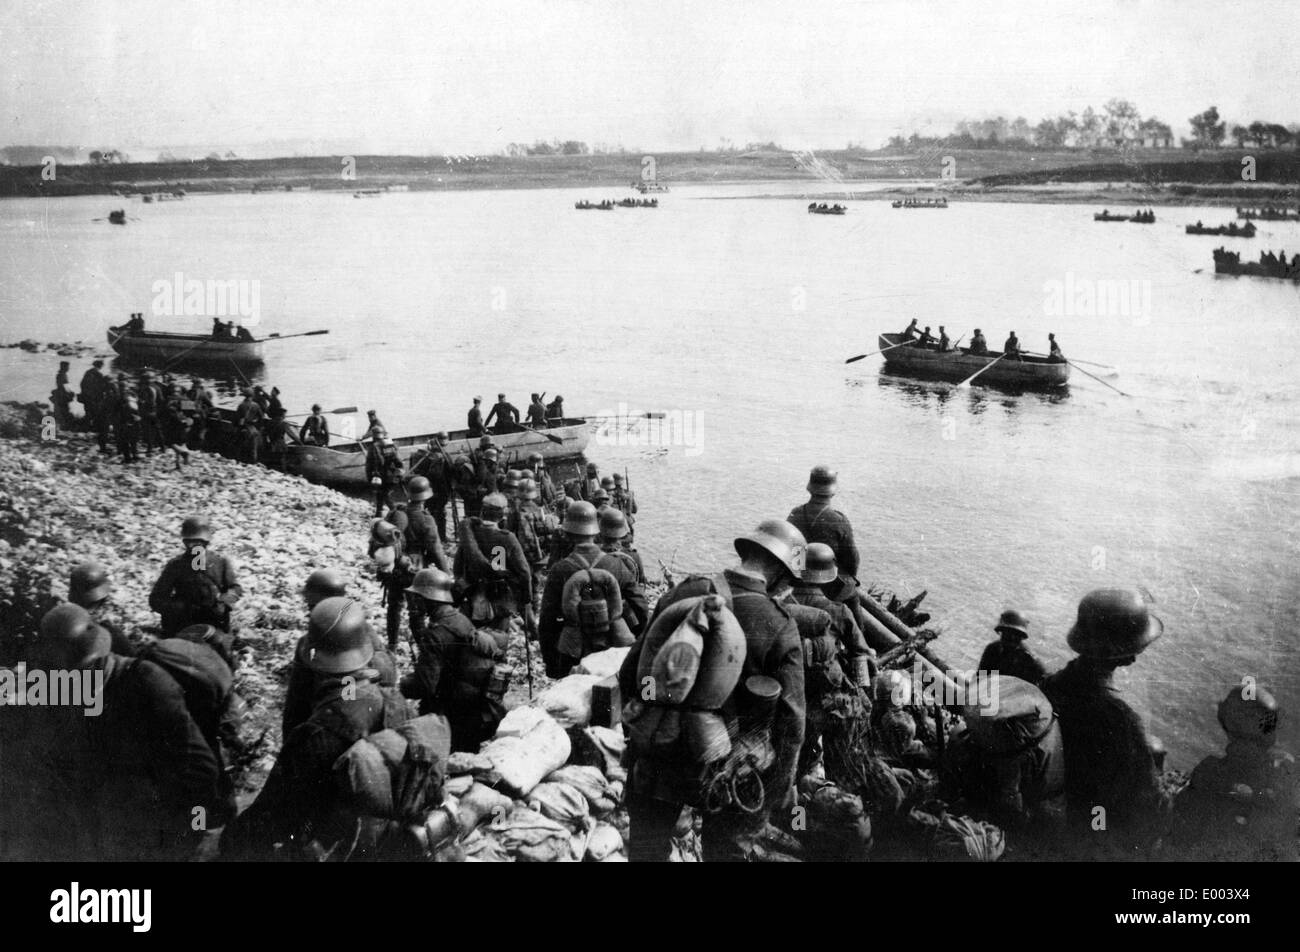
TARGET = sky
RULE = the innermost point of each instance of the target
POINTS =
(287, 77)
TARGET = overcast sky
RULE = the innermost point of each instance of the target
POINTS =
(470, 77)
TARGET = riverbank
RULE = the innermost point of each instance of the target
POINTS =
(1208, 174)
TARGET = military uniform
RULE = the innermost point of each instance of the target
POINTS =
(620, 564)
(1013, 660)
(174, 594)
(454, 676)
(657, 788)
(495, 592)
(1242, 806)
(844, 625)
(1108, 762)
(551, 620)
(820, 522)
(300, 693)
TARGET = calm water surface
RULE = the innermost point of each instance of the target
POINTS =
(738, 312)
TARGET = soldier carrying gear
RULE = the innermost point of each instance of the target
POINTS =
(434, 464)
(771, 558)
(460, 671)
(490, 563)
(622, 497)
(149, 397)
(301, 804)
(126, 422)
(315, 429)
(90, 587)
(393, 569)
(197, 587)
(249, 417)
(584, 488)
(1009, 655)
(1242, 806)
(303, 679)
(384, 469)
(579, 531)
(121, 785)
(625, 567)
(1108, 761)
(858, 660)
(545, 487)
(819, 522)
(422, 542)
(526, 520)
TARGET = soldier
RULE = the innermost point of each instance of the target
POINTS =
(248, 422)
(1009, 655)
(459, 670)
(422, 543)
(374, 427)
(580, 529)
(545, 487)
(1054, 350)
(384, 469)
(555, 411)
(90, 587)
(94, 396)
(197, 587)
(820, 570)
(150, 398)
(537, 525)
(771, 558)
(537, 413)
(465, 480)
(622, 497)
(505, 413)
(1108, 761)
(600, 499)
(126, 422)
(202, 401)
(123, 785)
(978, 345)
(491, 565)
(301, 805)
(945, 342)
(61, 398)
(625, 567)
(1012, 347)
(303, 680)
(280, 434)
(584, 488)
(434, 464)
(910, 332)
(394, 573)
(820, 523)
(474, 419)
(315, 429)
(1242, 806)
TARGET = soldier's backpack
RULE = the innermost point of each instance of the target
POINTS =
(590, 601)
(197, 589)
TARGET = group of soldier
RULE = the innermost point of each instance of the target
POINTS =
(979, 346)
(127, 784)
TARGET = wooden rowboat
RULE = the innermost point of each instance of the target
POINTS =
(344, 464)
(1028, 373)
(183, 348)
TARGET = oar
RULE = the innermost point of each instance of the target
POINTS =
(287, 336)
(550, 436)
(1090, 363)
(648, 415)
(1098, 379)
(335, 410)
(854, 360)
(966, 383)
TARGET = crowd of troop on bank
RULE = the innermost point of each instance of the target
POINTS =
(754, 658)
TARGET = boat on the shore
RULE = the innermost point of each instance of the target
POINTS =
(1269, 214)
(1270, 266)
(183, 348)
(344, 464)
(117, 217)
(824, 209)
(940, 202)
(1230, 230)
(1028, 373)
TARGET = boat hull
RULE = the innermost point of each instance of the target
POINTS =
(183, 348)
(1029, 373)
(344, 464)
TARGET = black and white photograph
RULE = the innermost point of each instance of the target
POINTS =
(860, 486)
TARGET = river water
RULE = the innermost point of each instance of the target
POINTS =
(733, 314)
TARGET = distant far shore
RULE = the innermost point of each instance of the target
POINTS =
(1150, 177)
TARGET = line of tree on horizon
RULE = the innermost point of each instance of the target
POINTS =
(1118, 124)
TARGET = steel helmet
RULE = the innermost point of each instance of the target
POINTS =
(384, 532)
(526, 474)
(418, 488)
(89, 584)
(315, 408)
(433, 584)
(1113, 623)
(196, 527)
(484, 441)
(490, 453)
(441, 436)
(819, 564)
(591, 469)
(534, 457)
(607, 482)
(322, 584)
(1255, 717)
(618, 478)
(338, 637)
(580, 519)
(528, 489)
(70, 638)
(779, 540)
(613, 524)
(822, 481)
(600, 498)
(1012, 620)
(511, 481)
(495, 502)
